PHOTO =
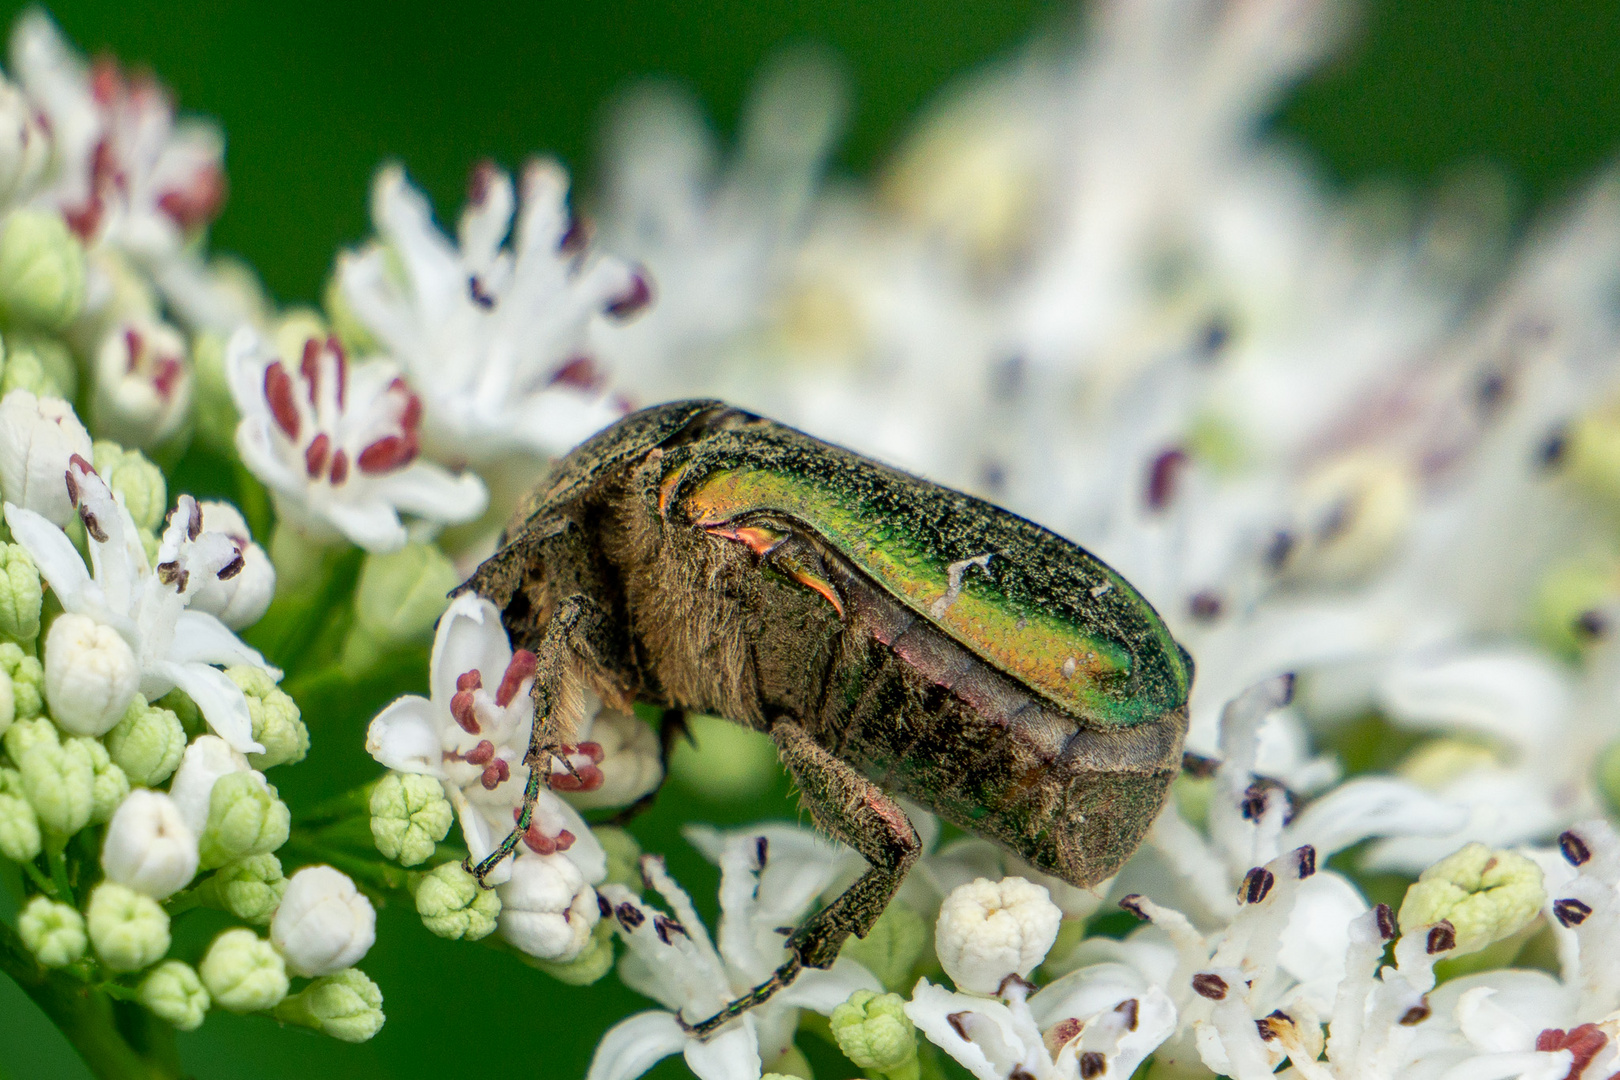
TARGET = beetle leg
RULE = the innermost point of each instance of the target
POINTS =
(569, 637)
(856, 811)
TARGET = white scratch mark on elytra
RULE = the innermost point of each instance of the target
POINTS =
(953, 582)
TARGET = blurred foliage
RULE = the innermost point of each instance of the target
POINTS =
(312, 96)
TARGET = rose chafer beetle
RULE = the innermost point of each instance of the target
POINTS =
(894, 637)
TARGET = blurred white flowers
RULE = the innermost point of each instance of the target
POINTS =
(37, 438)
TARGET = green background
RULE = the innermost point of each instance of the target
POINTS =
(313, 96)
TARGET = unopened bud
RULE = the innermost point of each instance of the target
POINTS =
(41, 364)
(132, 475)
(399, 598)
(250, 888)
(110, 785)
(38, 435)
(874, 1032)
(148, 846)
(27, 681)
(129, 930)
(21, 595)
(243, 972)
(1485, 895)
(90, 674)
(58, 776)
(891, 949)
(323, 924)
(19, 825)
(988, 930)
(25, 146)
(147, 743)
(547, 909)
(174, 992)
(345, 1005)
(42, 269)
(594, 960)
(244, 818)
(142, 383)
(277, 725)
(409, 816)
(452, 904)
(52, 931)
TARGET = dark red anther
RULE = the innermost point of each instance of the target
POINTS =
(465, 711)
(315, 454)
(310, 366)
(278, 392)
(1162, 477)
(1442, 937)
(629, 915)
(521, 666)
(482, 754)
(762, 848)
(603, 908)
(480, 181)
(132, 346)
(1385, 917)
(1257, 884)
(1571, 912)
(1576, 853)
(388, 453)
(575, 237)
(232, 568)
(583, 778)
(1305, 861)
(537, 841)
(635, 296)
(340, 467)
(1092, 1063)
(578, 372)
(411, 417)
(564, 840)
(1209, 985)
(340, 367)
(1583, 1044)
(470, 680)
(1133, 904)
(196, 202)
(106, 80)
(496, 773)
(167, 374)
(1128, 1009)
(592, 750)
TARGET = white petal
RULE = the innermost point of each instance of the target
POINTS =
(405, 737)
(931, 1007)
(1512, 694)
(635, 1044)
(431, 492)
(373, 524)
(58, 561)
(732, 1054)
(1372, 806)
(219, 700)
(823, 991)
(200, 638)
(470, 637)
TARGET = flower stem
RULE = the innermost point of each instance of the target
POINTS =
(117, 1040)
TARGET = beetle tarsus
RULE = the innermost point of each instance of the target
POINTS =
(781, 977)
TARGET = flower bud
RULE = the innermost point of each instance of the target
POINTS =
(110, 785)
(250, 888)
(1486, 896)
(25, 147)
(409, 816)
(399, 598)
(988, 930)
(874, 1031)
(243, 972)
(240, 600)
(890, 950)
(356, 337)
(41, 364)
(52, 931)
(147, 743)
(173, 992)
(215, 413)
(8, 703)
(132, 475)
(27, 681)
(19, 825)
(205, 761)
(277, 725)
(345, 1005)
(323, 924)
(244, 818)
(594, 960)
(41, 269)
(623, 856)
(142, 383)
(129, 930)
(632, 762)
(547, 910)
(58, 776)
(20, 595)
(90, 674)
(148, 846)
(453, 906)
(37, 437)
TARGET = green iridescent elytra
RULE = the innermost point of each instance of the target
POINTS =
(893, 637)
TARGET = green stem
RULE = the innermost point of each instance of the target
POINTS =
(117, 1040)
(56, 857)
(41, 882)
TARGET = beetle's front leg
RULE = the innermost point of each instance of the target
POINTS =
(572, 638)
(856, 811)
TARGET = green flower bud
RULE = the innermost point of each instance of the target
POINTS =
(1486, 895)
(8, 703)
(41, 269)
(39, 364)
(399, 597)
(213, 412)
(297, 325)
(173, 992)
(20, 595)
(52, 931)
(244, 818)
(277, 725)
(249, 888)
(58, 777)
(729, 762)
(453, 906)
(184, 709)
(409, 816)
(874, 1032)
(131, 474)
(345, 1005)
(147, 743)
(791, 1064)
(594, 960)
(110, 785)
(357, 339)
(19, 825)
(891, 948)
(243, 972)
(128, 929)
(623, 856)
(27, 680)
(1608, 776)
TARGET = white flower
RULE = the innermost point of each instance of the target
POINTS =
(473, 735)
(989, 930)
(90, 674)
(37, 437)
(547, 909)
(240, 600)
(338, 445)
(173, 647)
(129, 175)
(206, 760)
(630, 762)
(149, 846)
(494, 335)
(670, 958)
(25, 147)
(143, 383)
(323, 924)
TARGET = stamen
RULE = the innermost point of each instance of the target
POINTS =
(1211, 986)
(1442, 937)
(1305, 860)
(496, 773)
(475, 291)
(464, 709)
(388, 453)
(340, 367)
(1576, 853)
(1571, 912)
(482, 754)
(132, 345)
(1386, 921)
(629, 915)
(664, 926)
(310, 367)
(1162, 477)
(633, 299)
(1257, 885)
(1416, 1014)
(193, 520)
(761, 847)
(232, 568)
(92, 526)
(315, 454)
(1133, 904)
(167, 374)
(469, 680)
(522, 666)
(340, 467)
(604, 908)
(1092, 1064)
(579, 372)
(168, 572)
(1129, 1009)
(278, 392)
